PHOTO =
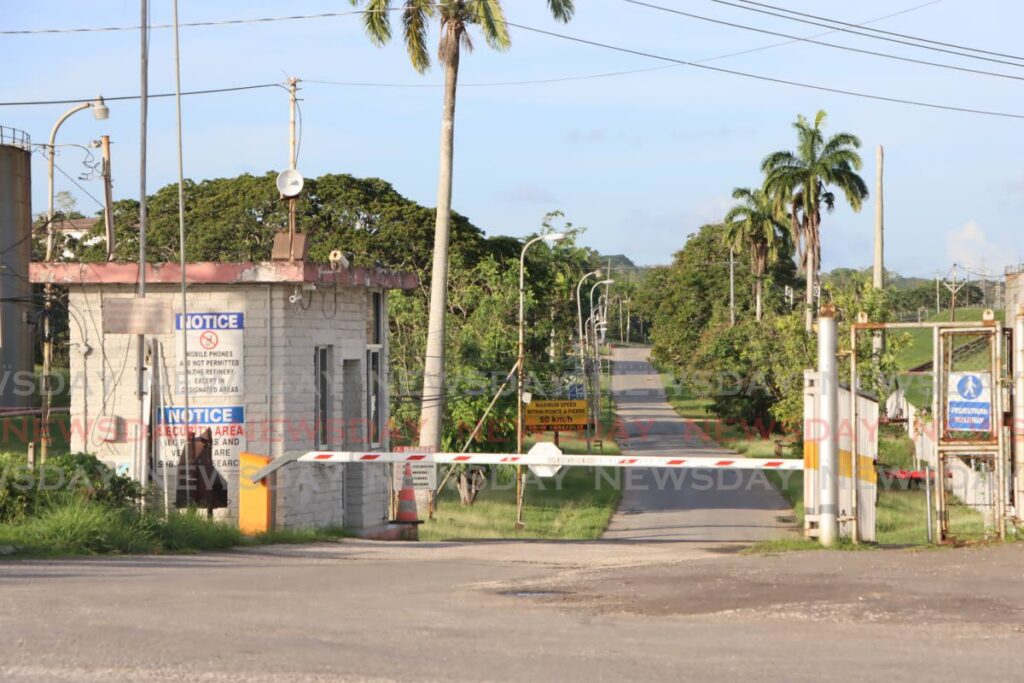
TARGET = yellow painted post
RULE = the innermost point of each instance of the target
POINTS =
(255, 515)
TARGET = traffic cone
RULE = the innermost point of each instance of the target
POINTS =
(407, 514)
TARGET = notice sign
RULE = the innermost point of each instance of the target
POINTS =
(226, 425)
(556, 416)
(215, 353)
(969, 402)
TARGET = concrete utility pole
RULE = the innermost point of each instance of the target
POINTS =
(293, 89)
(108, 197)
(828, 415)
(878, 276)
(140, 340)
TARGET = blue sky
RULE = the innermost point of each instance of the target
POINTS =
(640, 160)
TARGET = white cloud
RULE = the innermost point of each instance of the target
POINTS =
(970, 246)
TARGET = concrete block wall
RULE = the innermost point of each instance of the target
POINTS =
(279, 342)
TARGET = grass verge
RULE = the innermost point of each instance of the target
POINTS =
(89, 528)
(574, 505)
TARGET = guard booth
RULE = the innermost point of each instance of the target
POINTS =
(857, 475)
(266, 357)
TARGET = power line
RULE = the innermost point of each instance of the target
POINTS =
(770, 79)
(885, 55)
(118, 98)
(193, 24)
(624, 72)
(876, 30)
(875, 37)
(539, 81)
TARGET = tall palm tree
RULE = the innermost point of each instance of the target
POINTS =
(455, 17)
(800, 183)
(754, 225)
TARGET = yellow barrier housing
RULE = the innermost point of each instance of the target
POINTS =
(255, 512)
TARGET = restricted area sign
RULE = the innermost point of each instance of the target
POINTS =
(969, 407)
(556, 416)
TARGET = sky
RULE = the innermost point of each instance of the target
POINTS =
(641, 160)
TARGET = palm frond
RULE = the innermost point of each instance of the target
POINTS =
(562, 10)
(377, 20)
(489, 15)
(415, 20)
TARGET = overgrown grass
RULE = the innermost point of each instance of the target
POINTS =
(575, 505)
(895, 449)
(90, 528)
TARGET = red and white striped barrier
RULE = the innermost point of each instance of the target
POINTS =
(547, 454)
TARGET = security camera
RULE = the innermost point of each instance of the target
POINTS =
(337, 260)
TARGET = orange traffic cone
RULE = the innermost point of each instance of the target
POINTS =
(407, 514)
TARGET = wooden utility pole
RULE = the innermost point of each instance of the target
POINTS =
(108, 197)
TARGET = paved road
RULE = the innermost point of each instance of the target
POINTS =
(515, 611)
(683, 505)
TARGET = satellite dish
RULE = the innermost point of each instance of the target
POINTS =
(289, 183)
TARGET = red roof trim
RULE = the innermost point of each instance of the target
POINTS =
(212, 273)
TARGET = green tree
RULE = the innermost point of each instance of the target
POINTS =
(753, 225)
(801, 182)
(455, 18)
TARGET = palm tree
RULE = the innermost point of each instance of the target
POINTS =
(754, 224)
(800, 183)
(456, 17)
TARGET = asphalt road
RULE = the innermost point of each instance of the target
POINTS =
(683, 505)
(515, 611)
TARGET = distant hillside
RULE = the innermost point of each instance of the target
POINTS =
(843, 276)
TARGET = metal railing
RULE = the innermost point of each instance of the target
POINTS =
(15, 138)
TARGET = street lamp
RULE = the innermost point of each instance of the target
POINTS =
(550, 238)
(579, 305)
(597, 353)
(100, 112)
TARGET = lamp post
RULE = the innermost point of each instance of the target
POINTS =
(583, 350)
(100, 112)
(550, 238)
(597, 353)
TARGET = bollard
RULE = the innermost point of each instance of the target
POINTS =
(828, 412)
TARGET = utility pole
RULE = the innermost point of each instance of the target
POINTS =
(878, 276)
(953, 289)
(293, 89)
(937, 298)
(140, 340)
(732, 287)
(108, 197)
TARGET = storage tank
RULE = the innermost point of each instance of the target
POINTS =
(16, 360)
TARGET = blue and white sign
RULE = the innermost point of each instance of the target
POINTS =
(216, 365)
(969, 406)
(226, 425)
(576, 392)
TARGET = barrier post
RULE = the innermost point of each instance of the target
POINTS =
(828, 397)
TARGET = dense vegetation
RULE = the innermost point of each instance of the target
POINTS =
(752, 367)
(235, 219)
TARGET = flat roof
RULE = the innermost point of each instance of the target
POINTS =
(217, 273)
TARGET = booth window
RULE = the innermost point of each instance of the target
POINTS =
(374, 396)
(323, 357)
